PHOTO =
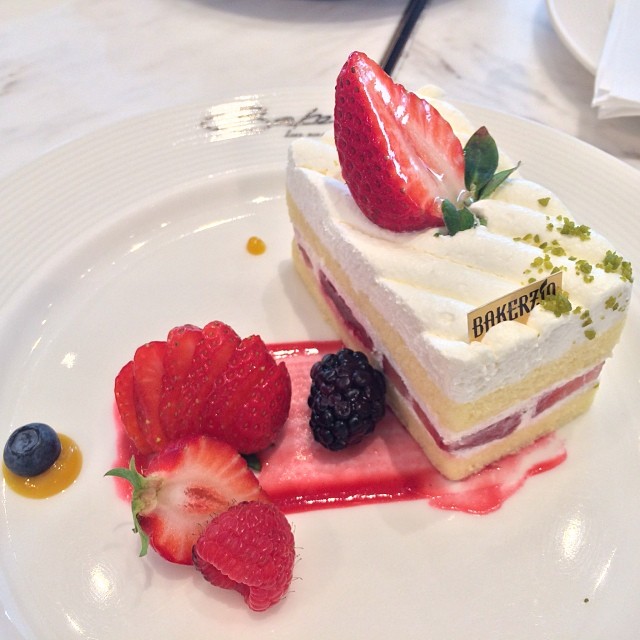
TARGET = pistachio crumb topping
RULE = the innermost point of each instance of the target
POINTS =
(569, 228)
(612, 303)
(549, 248)
(613, 263)
(587, 320)
(559, 304)
(556, 249)
(543, 202)
(584, 269)
(540, 264)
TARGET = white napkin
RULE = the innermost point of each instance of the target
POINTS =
(617, 86)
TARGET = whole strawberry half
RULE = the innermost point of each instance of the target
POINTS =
(249, 548)
(203, 381)
(184, 486)
(399, 156)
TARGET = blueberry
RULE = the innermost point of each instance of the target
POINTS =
(31, 449)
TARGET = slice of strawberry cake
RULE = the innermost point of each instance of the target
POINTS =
(490, 310)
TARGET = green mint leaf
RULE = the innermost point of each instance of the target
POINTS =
(495, 182)
(480, 160)
(457, 219)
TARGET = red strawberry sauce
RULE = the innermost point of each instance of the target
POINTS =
(300, 475)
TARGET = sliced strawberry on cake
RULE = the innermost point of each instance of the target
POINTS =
(399, 157)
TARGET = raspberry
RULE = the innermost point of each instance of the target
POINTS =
(249, 548)
(346, 399)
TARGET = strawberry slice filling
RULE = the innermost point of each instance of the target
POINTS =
(497, 430)
(345, 313)
(503, 427)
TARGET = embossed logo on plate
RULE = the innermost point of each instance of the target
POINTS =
(251, 117)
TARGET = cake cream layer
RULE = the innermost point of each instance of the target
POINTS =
(404, 298)
(456, 467)
(454, 463)
(424, 283)
(389, 345)
(486, 417)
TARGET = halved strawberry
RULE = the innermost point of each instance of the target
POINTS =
(250, 402)
(399, 157)
(126, 403)
(183, 488)
(148, 372)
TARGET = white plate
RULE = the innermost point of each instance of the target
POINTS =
(112, 240)
(582, 26)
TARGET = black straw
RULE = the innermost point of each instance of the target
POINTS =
(402, 33)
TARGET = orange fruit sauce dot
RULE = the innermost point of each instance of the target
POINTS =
(55, 479)
(256, 246)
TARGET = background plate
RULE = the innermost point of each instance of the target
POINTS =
(112, 240)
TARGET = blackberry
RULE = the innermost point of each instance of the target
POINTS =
(346, 399)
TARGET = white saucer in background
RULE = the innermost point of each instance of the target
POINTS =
(582, 26)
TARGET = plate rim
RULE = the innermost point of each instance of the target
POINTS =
(188, 108)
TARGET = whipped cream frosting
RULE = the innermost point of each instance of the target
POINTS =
(426, 282)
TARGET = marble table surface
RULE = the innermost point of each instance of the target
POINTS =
(71, 67)
(68, 67)
(505, 55)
